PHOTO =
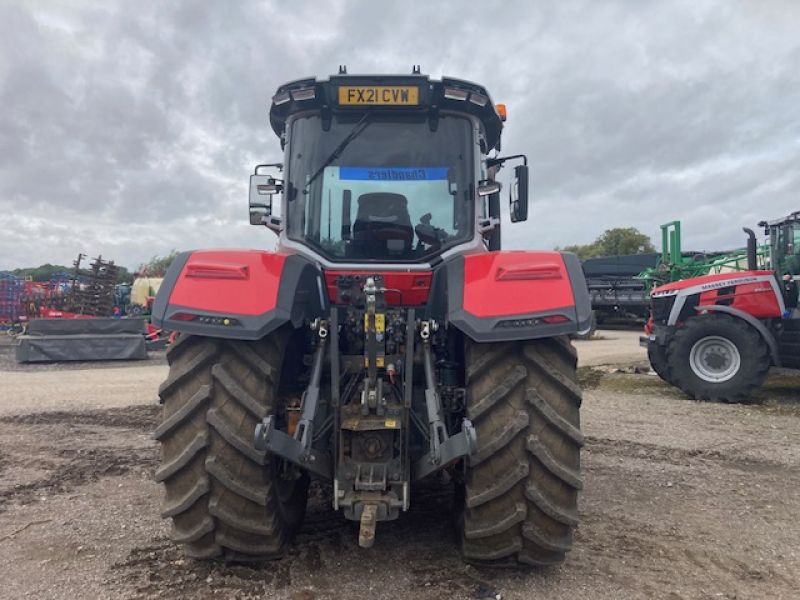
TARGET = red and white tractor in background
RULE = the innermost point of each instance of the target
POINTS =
(715, 337)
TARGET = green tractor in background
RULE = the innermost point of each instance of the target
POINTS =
(783, 248)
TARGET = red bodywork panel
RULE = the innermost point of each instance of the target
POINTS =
(247, 294)
(237, 282)
(506, 283)
(414, 286)
(752, 292)
(756, 299)
(710, 279)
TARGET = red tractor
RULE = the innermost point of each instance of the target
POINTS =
(385, 340)
(715, 337)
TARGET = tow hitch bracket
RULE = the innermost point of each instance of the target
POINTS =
(366, 531)
(444, 448)
(298, 449)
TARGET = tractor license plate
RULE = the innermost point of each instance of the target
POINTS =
(379, 95)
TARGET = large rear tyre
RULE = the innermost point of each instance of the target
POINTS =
(717, 357)
(225, 498)
(521, 492)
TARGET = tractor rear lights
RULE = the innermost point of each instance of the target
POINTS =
(479, 99)
(308, 93)
(183, 317)
(456, 94)
(533, 322)
(206, 319)
(553, 319)
(221, 321)
(281, 98)
(298, 95)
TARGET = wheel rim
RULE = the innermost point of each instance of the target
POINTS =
(715, 359)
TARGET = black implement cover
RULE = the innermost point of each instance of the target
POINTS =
(52, 348)
(620, 266)
(93, 326)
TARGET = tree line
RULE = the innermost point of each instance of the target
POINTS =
(156, 267)
(619, 241)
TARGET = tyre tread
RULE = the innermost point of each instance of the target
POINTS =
(202, 395)
(521, 490)
(219, 489)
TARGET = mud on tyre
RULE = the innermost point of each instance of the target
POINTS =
(224, 497)
(521, 492)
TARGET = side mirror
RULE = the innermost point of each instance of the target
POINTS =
(487, 187)
(262, 189)
(518, 200)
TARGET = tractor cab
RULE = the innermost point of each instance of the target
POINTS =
(384, 169)
(784, 244)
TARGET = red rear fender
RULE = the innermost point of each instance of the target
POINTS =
(497, 296)
(242, 294)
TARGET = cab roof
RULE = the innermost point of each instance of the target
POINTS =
(795, 216)
(432, 95)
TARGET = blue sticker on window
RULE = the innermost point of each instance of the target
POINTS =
(393, 173)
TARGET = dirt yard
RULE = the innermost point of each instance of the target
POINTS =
(681, 500)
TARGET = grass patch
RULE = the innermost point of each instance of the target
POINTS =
(630, 383)
(589, 378)
(780, 393)
(594, 378)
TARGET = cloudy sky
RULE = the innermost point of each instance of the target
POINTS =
(130, 128)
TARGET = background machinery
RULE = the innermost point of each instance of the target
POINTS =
(715, 336)
(617, 288)
(676, 264)
(387, 339)
(620, 285)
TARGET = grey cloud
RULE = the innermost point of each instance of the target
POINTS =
(130, 130)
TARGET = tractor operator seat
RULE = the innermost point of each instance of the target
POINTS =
(383, 226)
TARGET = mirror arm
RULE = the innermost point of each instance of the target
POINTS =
(487, 226)
(273, 223)
(278, 166)
(493, 162)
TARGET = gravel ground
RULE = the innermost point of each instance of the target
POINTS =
(681, 500)
(38, 387)
(612, 347)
